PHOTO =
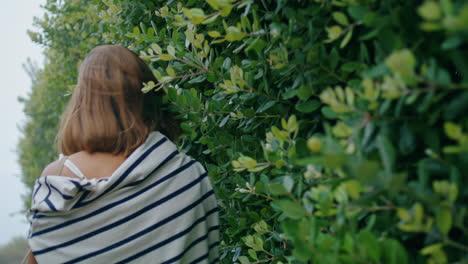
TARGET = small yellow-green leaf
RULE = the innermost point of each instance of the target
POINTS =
(213, 3)
(197, 12)
(164, 11)
(236, 164)
(346, 39)
(247, 162)
(340, 18)
(341, 130)
(453, 130)
(214, 34)
(431, 26)
(292, 124)
(166, 57)
(157, 74)
(403, 63)
(226, 10)
(444, 220)
(148, 86)
(170, 71)
(403, 214)
(430, 10)
(280, 163)
(349, 95)
(284, 124)
(334, 32)
(157, 49)
(187, 13)
(253, 254)
(429, 250)
(244, 260)
(233, 34)
(314, 144)
(353, 188)
(418, 212)
(258, 168)
(171, 50)
(210, 20)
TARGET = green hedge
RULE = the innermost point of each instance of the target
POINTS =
(333, 131)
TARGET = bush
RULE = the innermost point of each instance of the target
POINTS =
(333, 131)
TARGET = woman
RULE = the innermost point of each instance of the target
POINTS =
(122, 192)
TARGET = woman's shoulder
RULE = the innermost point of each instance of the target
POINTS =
(77, 165)
(56, 168)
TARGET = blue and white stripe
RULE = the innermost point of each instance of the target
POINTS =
(157, 207)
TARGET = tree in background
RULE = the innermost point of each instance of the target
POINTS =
(14, 251)
(333, 131)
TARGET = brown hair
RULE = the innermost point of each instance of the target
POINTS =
(108, 111)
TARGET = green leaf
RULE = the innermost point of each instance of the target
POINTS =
(277, 189)
(171, 50)
(257, 45)
(215, 4)
(444, 220)
(157, 49)
(453, 131)
(387, 153)
(346, 39)
(253, 254)
(166, 57)
(304, 92)
(244, 260)
(308, 106)
(393, 252)
(170, 71)
(430, 10)
(234, 34)
(225, 11)
(266, 106)
(341, 18)
(314, 144)
(214, 34)
(357, 12)
(224, 121)
(292, 209)
(288, 183)
(210, 20)
(329, 113)
(334, 32)
(403, 63)
(341, 130)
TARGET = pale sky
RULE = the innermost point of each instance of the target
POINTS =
(16, 16)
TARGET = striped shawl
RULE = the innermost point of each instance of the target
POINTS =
(157, 207)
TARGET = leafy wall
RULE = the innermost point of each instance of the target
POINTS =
(333, 131)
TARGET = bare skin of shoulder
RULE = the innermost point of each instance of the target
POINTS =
(93, 165)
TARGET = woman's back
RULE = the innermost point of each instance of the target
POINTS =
(136, 199)
(157, 206)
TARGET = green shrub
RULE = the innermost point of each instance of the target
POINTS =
(333, 131)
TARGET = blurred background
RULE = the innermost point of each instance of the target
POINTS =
(16, 49)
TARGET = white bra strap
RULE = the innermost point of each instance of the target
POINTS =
(70, 165)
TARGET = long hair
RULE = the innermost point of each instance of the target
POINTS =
(107, 111)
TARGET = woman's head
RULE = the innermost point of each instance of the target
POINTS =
(107, 111)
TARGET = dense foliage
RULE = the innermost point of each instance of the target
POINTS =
(334, 131)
